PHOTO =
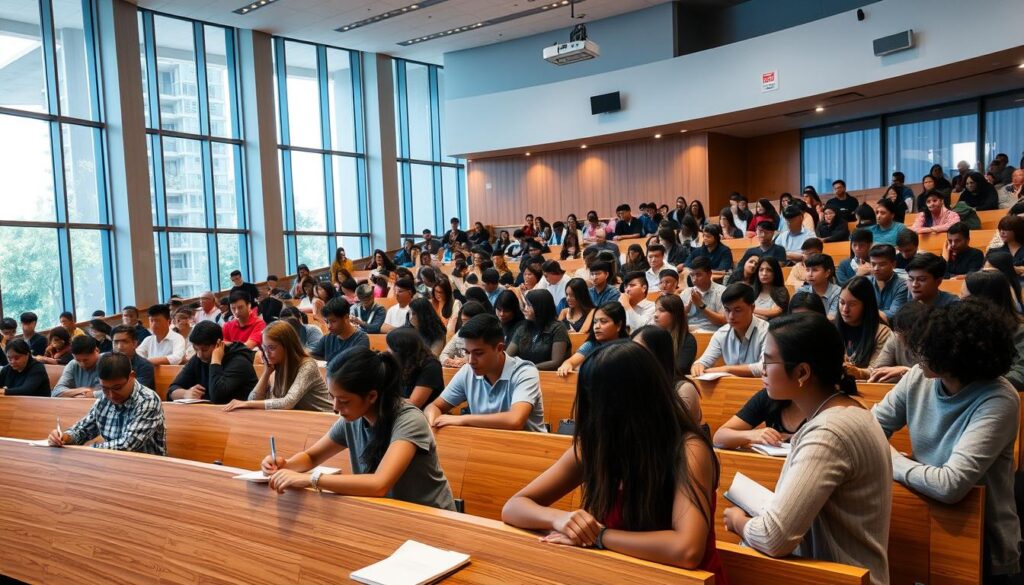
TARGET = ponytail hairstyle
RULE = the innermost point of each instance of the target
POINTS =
(809, 338)
(361, 372)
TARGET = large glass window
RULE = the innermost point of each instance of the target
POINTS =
(55, 218)
(1004, 127)
(431, 184)
(917, 140)
(851, 152)
(323, 157)
(195, 153)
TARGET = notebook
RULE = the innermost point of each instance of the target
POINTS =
(190, 400)
(749, 495)
(712, 376)
(258, 477)
(782, 450)
(413, 563)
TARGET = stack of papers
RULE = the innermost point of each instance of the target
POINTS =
(749, 495)
(712, 376)
(190, 400)
(258, 477)
(413, 563)
(782, 450)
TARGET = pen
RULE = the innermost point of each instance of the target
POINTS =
(273, 450)
(59, 431)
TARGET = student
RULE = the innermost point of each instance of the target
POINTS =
(979, 193)
(425, 321)
(639, 310)
(839, 463)
(798, 273)
(290, 378)
(634, 260)
(80, 378)
(667, 514)
(23, 375)
(164, 346)
(727, 223)
(34, 340)
(503, 392)
(58, 349)
(367, 314)
(67, 322)
(391, 448)
(454, 353)
(510, 315)
(842, 203)
(577, 312)
(740, 342)
(601, 292)
(890, 289)
(704, 311)
(896, 357)
(962, 417)
(859, 263)
(717, 253)
(627, 227)
(821, 281)
(670, 315)
(126, 343)
(860, 326)
(342, 334)
(745, 272)
(130, 317)
(609, 325)
(668, 282)
(341, 262)
(100, 331)
(697, 213)
(793, 237)
(886, 227)
(1011, 232)
(246, 327)
(398, 314)
(307, 297)
(8, 333)
(805, 302)
(656, 261)
(541, 339)
(422, 380)
(961, 259)
(832, 227)
(554, 280)
(924, 276)
(219, 372)
(273, 289)
(659, 342)
(936, 217)
(676, 252)
(772, 294)
(764, 211)
(430, 245)
(906, 244)
(127, 415)
(766, 246)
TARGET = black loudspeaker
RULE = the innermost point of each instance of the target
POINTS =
(860, 14)
(601, 104)
(900, 41)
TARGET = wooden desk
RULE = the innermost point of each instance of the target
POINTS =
(109, 517)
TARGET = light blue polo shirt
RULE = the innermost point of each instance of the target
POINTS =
(519, 382)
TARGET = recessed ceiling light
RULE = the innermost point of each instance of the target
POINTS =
(583, 146)
(389, 14)
(657, 135)
(527, 154)
(682, 131)
(484, 23)
(253, 6)
(1021, 66)
(819, 109)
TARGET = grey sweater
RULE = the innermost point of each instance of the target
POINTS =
(960, 441)
(1016, 374)
(75, 376)
(834, 495)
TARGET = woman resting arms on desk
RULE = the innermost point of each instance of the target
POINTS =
(391, 448)
(633, 503)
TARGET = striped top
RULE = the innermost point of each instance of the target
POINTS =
(834, 496)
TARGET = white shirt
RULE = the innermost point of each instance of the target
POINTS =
(201, 315)
(640, 315)
(557, 290)
(654, 277)
(172, 347)
(397, 316)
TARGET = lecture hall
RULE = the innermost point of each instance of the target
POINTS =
(400, 292)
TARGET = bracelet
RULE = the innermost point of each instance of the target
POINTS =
(314, 480)
(599, 541)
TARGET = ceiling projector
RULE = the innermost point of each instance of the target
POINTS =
(579, 48)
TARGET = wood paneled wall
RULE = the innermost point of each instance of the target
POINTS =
(554, 184)
(702, 166)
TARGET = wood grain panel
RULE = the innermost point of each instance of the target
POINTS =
(554, 184)
(773, 165)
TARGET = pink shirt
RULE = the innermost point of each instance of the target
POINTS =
(947, 217)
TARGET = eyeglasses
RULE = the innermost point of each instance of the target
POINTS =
(765, 363)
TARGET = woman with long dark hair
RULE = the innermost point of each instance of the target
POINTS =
(841, 441)
(772, 294)
(510, 313)
(648, 473)
(579, 308)
(542, 339)
(635, 260)
(832, 227)
(23, 375)
(746, 272)
(763, 211)
(1002, 262)
(390, 446)
(422, 380)
(1011, 232)
(991, 286)
(727, 221)
(442, 299)
(934, 217)
(979, 193)
(475, 293)
(697, 213)
(571, 246)
(381, 261)
(670, 315)
(859, 324)
(659, 342)
(609, 325)
(424, 319)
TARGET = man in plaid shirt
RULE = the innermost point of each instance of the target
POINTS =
(128, 415)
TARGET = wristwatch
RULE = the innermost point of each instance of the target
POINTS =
(599, 541)
(702, 307)
(314, 480)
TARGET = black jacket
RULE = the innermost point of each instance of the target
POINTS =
(234, 378)
(33, 381)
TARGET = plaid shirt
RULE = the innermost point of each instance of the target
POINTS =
(137, 425)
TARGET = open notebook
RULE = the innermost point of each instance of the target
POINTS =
(782, 450)
(413, 563)
(749, 495)
(258, 477)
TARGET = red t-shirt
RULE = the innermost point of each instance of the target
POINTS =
(252, 331)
